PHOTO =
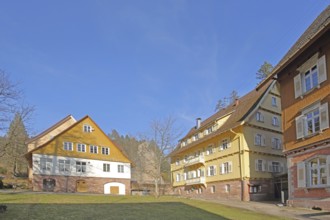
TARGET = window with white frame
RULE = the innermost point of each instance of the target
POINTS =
(276, 143)
(106, 167)
(105, 150)
(311, 74)
(312, 120)
(275, 121)
(120, 168)
(314, 172)
(259, 140)
(87, 128)
(211, 170)
(209, 150)
(184, 176)
(68, 146)
(226, 167)
(227, 188)
(186, 158)
(195, 137)
(254, 188)
(212, 189)
(225, 144)
(177, 161)
(260, 165)
(274, 101)
(275, 167)
(259, 116)
(317, 171)
(93, 149)
(183, 143)
(64, 166)
(46, 164)
(209, 130)
(178, 177)
(80, 167)
(81, 147)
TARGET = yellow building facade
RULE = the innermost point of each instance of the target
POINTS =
(236, 153)
(77, 156)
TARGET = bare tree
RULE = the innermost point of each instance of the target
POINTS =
(233, 96)
(159, 143)
(220, 105)
(10, 106)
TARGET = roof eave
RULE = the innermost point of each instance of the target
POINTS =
(289, 60)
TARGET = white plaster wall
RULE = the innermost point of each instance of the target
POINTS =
(94, 168)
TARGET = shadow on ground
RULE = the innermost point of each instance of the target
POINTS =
(124, 211)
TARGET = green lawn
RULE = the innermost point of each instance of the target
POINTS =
(72, 206)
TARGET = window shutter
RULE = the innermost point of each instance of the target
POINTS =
(301, 174)
(324, 116)
(281, 167)
(328, 170)
(256, 139)
(300, 127)
(273, 143)
(222, 169)
(229, 143)
(297, 86)
(256, 164)
(215, 170)
(264, 165)
(230, 164)
(270, 166)
(322, 70)
(263, 141)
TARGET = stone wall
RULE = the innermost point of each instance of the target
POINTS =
(69, 183)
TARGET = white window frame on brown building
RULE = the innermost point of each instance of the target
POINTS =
(314, 66)
(307, 125)
(308, 170)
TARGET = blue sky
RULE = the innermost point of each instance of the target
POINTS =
(126, 63)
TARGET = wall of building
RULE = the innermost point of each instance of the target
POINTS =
(94, 168)
(292, 106)
(69, 183)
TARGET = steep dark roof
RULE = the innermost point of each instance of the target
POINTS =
(238, 112)
(313, 32)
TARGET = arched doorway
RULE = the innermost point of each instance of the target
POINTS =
(114, 188)
(81, 186)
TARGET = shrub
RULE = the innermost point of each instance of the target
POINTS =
(3, 170)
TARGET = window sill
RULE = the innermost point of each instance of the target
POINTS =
(310, 91)
(310, 135)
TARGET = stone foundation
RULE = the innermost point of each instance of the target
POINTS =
(233, 190)
(69, 183)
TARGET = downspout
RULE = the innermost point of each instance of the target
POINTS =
(240, 164)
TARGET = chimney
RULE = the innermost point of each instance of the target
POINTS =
(198, 123)
(236, 102)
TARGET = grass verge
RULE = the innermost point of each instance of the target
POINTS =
(77, 206)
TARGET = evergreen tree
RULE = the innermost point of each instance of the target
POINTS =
(16, 147)
(264, 71)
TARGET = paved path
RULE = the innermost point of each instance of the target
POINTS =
(272, 208)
